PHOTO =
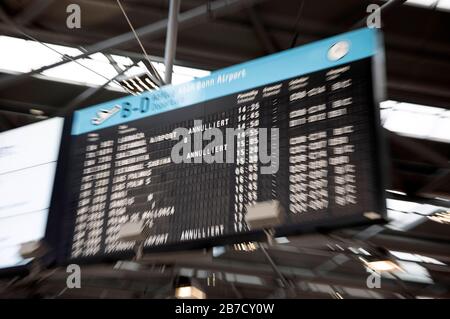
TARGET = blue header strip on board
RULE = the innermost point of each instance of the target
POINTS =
(269, 69)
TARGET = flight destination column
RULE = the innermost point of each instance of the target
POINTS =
(129, 173)
(344, 169)
(90, 215)
(345, 103)
(322, 165)
(308, 154)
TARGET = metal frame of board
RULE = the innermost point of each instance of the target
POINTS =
(60, 228)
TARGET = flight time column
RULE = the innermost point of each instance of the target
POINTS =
(246, 171)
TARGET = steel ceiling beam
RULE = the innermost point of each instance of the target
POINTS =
(185, 20)
(32, 11)
(441, 178)
(24, 107)
(83, 96)
(275, 268)
(171, 40)
(16, 119)
(433, 50)
(420, 149)
(5, 123)
(261, 31)
(113, 62)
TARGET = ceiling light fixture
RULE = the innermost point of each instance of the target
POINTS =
(382, 265)
(188, 288)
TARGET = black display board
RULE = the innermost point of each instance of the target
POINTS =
(330, 167)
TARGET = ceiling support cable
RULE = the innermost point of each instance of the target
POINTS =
(65, 58)
(153, 73)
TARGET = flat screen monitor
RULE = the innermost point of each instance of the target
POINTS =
(28, 157)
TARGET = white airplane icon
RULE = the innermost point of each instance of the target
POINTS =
(103, 114)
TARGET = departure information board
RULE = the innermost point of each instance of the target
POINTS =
(318, 105)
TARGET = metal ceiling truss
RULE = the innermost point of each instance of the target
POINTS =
(186, 19)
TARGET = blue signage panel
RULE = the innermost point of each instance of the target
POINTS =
(277, 67)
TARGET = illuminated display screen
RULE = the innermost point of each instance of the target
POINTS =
(28, 158)
(319, 154)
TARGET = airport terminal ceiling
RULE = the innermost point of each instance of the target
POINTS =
(417, 56)
(416, 38)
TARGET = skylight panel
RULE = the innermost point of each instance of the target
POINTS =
(403, 118)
